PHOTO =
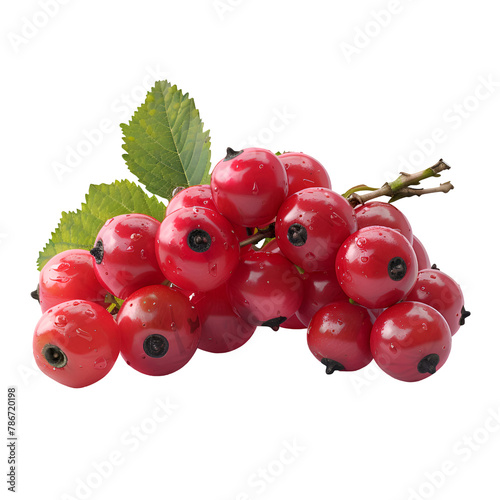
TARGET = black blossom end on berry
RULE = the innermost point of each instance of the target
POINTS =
(396, 268)
(54, 356)
(434, 266)
(231, 153)
(155, 345)
(297, 235)
(35, 294)
(177, 190)
(199, 241)
(332, 365)
(274, 323)
(464, 314)
(98, 252)
(428, 364)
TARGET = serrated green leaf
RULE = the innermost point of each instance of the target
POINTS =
(79, 229)
(165, 142)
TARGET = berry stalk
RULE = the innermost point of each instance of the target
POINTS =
(400, 187)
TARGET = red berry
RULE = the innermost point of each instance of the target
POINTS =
(339, 337)
(440, 291)
(197, 248)
(320, 288)
(265, 289)
(303, 171)
(192, 196)
(76, 343)
(410, 341)
(124, 254)
(69, 275)
(222, 330)
(379, 213)
(421, 253)
(159, 329)
(376, 266)
(311, 226)
(249, 186)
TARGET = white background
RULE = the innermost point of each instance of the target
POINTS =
(288, 75)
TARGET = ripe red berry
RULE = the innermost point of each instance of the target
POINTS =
(320, 288)
(76, 343)
(379, 213)
(410, 341)
(339, 337)
(159, 329)
(197, 248)
(124, 254)
(69, 275)
(440, 291)
(249, 186)
(201, 197)
(192, 196)
(303, 171)
(265, 289)
(311, 225)
(421, 253)
(376, 266)
(222, 330)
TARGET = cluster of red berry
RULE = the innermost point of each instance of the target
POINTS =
(356, 277)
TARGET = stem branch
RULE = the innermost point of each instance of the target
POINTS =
(399, 188)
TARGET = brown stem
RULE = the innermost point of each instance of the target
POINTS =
(399, 188)
(260, 235)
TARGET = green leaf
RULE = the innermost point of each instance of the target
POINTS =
(165, 142)
(79, 229)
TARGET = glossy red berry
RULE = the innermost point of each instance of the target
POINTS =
(76, 343)
(124, 254)
(265, 289)
(440, 291)
(303, 171)
(192, 196)
(222, 330)
(69, 275)
(379, 213)
(421, 253)
(410, 341)
(320, 288)
(339, 337)
(159, 329)
(311, 225)
(376, 266)
(197, 248)
(249, 186)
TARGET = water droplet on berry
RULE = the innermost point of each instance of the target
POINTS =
(393, 348)
(83, 334)
(130, 248)
(173, 325)
(90, 313)
(346, 276)
(255, 188)
(360, 242)
(424, 326)
(62, 266)
(212, 270)
(135, 236)
(364, 259)
(100, 363)
(60, 320)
